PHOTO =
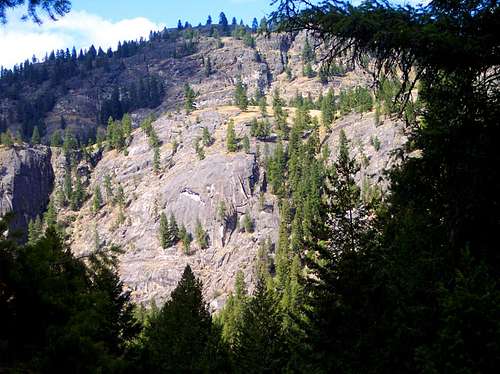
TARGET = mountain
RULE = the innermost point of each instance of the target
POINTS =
(163, 166)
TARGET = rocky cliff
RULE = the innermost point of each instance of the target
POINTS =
(186, 186)
(26, 182)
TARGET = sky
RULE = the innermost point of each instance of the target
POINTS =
(105, 22)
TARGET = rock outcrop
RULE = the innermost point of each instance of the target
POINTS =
(26, 181)
(190, 187)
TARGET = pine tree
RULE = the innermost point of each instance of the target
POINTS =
(200, 235)
(221, 211)
(248, 223)
(277, 103)
(263, 265)
(240, 95)
(208, 67)
(108, 188)
(263, 26)
(185, 238)
(246, 144)
(328, 109)
(308, 71)
(308, 54)
(35, 138)
(78, 194)
(255, 25)
(231, 142)
(207, 138)
(189, 96)
(35, 230)
(263, 106)
(173, 230)
(164, 231)
(277, 169)
(50, 216)
(199, 149)
(260, 345)
(232, 314)
(283, 251)
(156, 160)
(96, 199)
(223, 23)
(177, 337)
(119, 198)
(69, 143)
(127, 126)
(67, 187)
(6, 139)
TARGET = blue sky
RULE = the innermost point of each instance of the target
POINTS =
(169, 11)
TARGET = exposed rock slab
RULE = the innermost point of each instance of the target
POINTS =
(26, 181)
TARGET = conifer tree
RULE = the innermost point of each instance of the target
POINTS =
(263, 106)
(328, 108)
(221, 211)
(240, 95)
(156, 160)
(127, 126)
(231, 142)
(35, 230)
(119, 198)
(255, 25)
(308, 54)
(207, 137)
(177, 337)
(199, 149)
(67, 187)
(283, 251)
(277, 169)
(208, 67)
(223, 23)
(308, 71)
(35, 138)
(260, 345)
(263, 26)
(6, 138)
(78, 194)
(185, 238)
(189, 96)
(50, 216)
(69, 143)
(164, 231)
(246, 144)
(200, 235)
(232, 314)
(248, 223)
(262, 266)
(173, 230)
(96, 199)
(108, 188)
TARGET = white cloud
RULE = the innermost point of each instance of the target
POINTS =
(20, 40)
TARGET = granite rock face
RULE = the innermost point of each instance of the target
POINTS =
(26, 181)
(191, 189)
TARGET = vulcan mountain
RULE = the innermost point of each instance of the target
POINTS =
(74, 94)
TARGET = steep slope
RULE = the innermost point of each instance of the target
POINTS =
(26, 181)
(192, 189)
(187, 186)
